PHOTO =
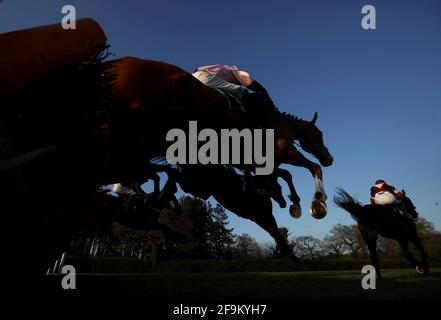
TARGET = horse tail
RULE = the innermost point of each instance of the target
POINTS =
(348, 203)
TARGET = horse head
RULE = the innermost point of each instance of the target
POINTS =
(311, 140)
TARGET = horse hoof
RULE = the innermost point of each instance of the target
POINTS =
(421, 270)
(318, 209)
(295, 211)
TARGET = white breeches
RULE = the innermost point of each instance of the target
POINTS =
(217, 83)
(385, 198)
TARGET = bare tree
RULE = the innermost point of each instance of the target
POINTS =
(307, 247)
(246, 246)
(334, 245)
(345, 239)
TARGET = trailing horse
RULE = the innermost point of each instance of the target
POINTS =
(374, 220)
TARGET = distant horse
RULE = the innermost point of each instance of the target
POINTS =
(151, 97)
(374, 220)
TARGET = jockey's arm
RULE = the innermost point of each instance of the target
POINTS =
(258, 88)
(398, 194)
(373, 192)
(394, 190)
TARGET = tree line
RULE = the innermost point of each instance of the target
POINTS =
(202, 231)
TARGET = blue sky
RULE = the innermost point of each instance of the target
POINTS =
(377, 92)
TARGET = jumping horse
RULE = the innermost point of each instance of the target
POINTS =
(151, 97)
(45, 147)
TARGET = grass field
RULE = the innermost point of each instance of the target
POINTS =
(270, 286)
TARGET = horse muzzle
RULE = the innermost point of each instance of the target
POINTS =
(326, 160)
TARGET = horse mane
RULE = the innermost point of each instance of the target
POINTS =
(287, 115)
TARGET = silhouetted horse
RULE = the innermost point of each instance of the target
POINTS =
(238, 193)
(55, 145)
(374, 220)
(150, 97)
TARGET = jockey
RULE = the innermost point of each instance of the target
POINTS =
(232, 80)
(384, 194)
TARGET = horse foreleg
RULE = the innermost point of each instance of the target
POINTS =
(372, 246)
(295, 210)
(405, 248)
(424, 267)
(272, 187)
(318, 207)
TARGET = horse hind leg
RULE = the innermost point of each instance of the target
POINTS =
(270, 225)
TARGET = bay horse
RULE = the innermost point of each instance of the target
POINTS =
(147, 98)
(374, 220)
(151, 97)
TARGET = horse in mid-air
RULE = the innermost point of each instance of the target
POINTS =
(374, 220)
(151, 97)
(114, 124)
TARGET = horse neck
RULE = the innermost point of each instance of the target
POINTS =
(288, 127)
(408, 205)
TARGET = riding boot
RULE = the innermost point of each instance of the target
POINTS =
(405, 212)
(401, 210)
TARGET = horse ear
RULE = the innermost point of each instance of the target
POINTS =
(314, 118)
(403, 192)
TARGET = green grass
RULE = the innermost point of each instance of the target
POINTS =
(268, 286)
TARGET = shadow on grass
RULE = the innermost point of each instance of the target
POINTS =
(314, 285)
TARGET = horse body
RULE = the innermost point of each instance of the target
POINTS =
(43, 148)
(239, 194)
(151, 97)
(374, 220)
(152, 88)
(148, 98)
